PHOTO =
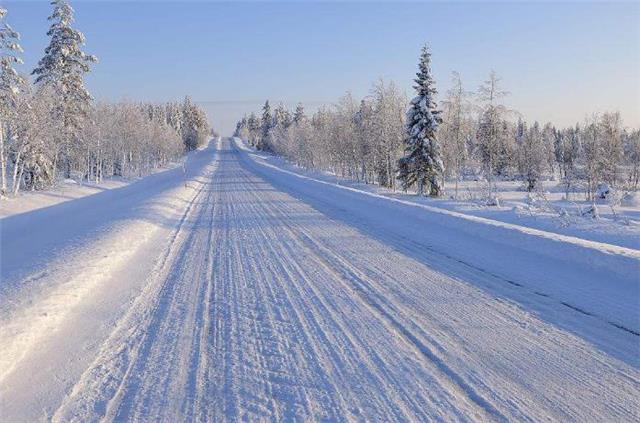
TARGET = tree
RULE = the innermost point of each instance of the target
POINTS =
(531, 155)
(34, 150)
(456, 129)
(302, 136)
(11, 85)
(282, 117)
(254, 127)
(63, 67)
(298, 115)
(549, 135)
(422, 164)
(567, 150)
(612, 147)
(267, 123)
(366, 139)
(632, 155)
(194, 125)
(387, 131)
(492, 134)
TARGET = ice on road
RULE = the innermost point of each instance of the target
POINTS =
(258, 300)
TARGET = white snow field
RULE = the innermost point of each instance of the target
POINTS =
(255, 293)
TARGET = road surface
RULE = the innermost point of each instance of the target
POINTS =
(244, 297)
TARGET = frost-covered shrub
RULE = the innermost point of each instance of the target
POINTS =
(591, 211)
(603, 191)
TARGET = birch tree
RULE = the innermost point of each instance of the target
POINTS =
(456, 129)
(11, 86)
(492, 134)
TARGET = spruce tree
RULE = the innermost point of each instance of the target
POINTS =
(282, 117)
(267, 124)
(195, 127)
(253, 125)
(422, 165)
(62, 69)
(299, 115)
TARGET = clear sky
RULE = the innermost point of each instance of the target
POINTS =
(560, 61)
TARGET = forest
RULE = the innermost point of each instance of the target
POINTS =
(51, 128)
(472, 135)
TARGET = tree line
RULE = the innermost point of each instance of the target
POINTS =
(51, 128)
(420, 144)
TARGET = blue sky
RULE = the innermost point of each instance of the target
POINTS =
(559, 61)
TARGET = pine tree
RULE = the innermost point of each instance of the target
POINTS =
(267, 124)
(11, 83)
(241, 127)
(422, 165)
(63, 67)
(195, 127)
(281, 117)
(253, 125)
(299, 115)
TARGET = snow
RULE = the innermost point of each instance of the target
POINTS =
(548, 211)
(67, 190)
(260, 293)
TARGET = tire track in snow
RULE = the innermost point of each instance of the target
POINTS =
(159, 375)
(354, 273)
(308, 325)
(266, 309)
(355, 343)
(570, 342)
(103, 380)
(356, 282)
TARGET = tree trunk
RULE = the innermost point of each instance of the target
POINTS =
(16, 179)
(16, 183)
(3, 162)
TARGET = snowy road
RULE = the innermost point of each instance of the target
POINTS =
(256, 295)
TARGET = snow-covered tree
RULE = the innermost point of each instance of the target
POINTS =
(35, 151)
(493, 135)
(282, 117)
(387, 131)
(455, 131)
(194, 126)
(266, 125)
(611, 133)
(11, 85)
(241, 128)
(303, 140)
(632, 158)
(364, 120)
(602, 151)
(530, 153)
(359, 138)
(63, 67)
(422, 164)
(549, 135)
(254, 126)
(567, 149)
(298, 115)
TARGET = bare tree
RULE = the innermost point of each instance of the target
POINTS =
(493, 134)
(455, 132)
